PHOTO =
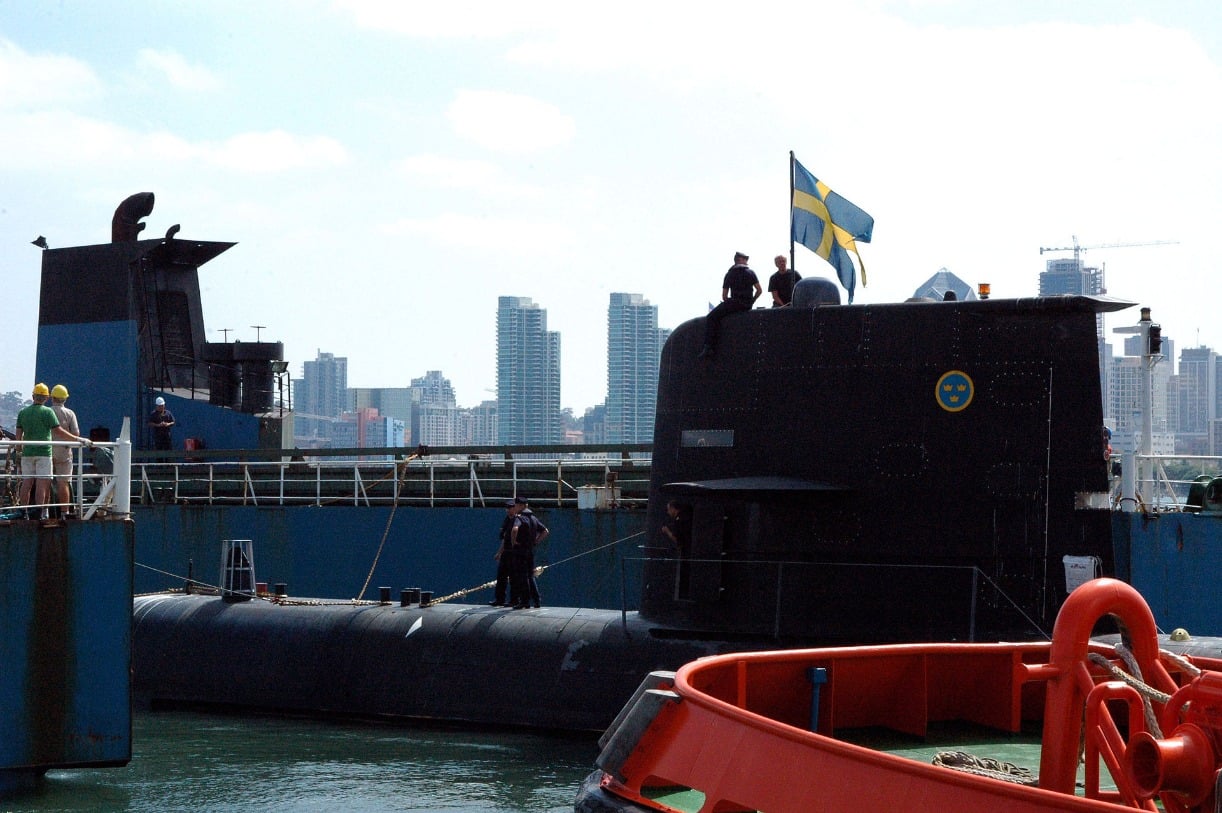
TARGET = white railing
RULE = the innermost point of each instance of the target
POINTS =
(421, 482)
(91, 489)
(1144, 484)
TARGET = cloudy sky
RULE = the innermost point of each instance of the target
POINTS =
(389, 169)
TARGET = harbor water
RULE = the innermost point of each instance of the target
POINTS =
(185, 761)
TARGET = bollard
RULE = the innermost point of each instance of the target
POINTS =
(405, 597)
(413, 595)
(281, 589)
(384, 595)
(426, 597)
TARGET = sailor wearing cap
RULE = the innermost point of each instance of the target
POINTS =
(504, 554)
(739, 290)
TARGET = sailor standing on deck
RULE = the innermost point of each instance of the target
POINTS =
(504, 552)
(37, 424)
(162, 423)
(535, 533)
(522, 558)
(61, 456)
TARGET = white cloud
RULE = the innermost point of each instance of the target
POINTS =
(507, 122)
(483, 177)
(459, 19)
(40, 81)
(507, 236)
(177, 71)
(64, 142)
(450, 172)
(275, 151)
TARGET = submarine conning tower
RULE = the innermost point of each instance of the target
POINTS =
(121, 323)
(873, 473)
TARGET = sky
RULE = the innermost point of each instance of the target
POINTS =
(389, 168)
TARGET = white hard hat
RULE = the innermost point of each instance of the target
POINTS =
(160, 401)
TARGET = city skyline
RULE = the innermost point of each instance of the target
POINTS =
(443, 154)
(1182, 405)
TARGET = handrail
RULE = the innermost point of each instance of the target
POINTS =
(112, 491)
(553, 481)
(1158, 491)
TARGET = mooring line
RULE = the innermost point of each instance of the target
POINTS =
(360, 601)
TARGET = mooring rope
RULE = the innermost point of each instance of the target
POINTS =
(985, 766)
(385, 533)
(1008, 772)
(360, 601)
(538, 570)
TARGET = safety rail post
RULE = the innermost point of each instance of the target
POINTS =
(145, 485)
(78, 469)
(123, 470)
(248, 486)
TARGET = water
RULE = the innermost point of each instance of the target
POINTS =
(196, 762)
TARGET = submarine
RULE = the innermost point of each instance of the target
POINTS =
(852, 474)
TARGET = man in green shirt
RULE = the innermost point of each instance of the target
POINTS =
(37, 424)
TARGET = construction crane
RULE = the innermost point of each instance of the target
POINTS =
(1078, 249)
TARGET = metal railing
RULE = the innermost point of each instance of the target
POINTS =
(602, 477)
(92, 489)
(1144, 484)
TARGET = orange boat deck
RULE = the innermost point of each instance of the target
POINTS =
(737, 728)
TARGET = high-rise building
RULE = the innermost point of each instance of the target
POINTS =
(634, 350)
(1196, 400)
(364, 428)
(527, 374)
(436, 420)
(1124, 400)
(594, 424)
(1071, 277)
(942, 283)
(321, 396)
(482, 424)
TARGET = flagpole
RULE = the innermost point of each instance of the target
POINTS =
(792, 257)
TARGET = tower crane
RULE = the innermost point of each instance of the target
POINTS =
(1078, 249)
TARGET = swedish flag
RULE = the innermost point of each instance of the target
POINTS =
(828, 225)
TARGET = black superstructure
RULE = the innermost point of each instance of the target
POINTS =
(898, 472)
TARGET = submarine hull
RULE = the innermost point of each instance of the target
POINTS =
(552, 668)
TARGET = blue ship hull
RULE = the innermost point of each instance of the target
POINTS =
(65, 646)
(592, 557)
(1173, 559)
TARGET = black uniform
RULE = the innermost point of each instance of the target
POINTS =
(503, 561)
(741, 282)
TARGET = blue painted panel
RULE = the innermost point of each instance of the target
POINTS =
(65, 644)
(328, 552)
(96, 361)
(219, 427)
(1175, 562)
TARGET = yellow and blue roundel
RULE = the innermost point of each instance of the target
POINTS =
(954, 391)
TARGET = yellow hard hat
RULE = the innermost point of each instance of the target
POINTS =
(41, 389)
(59, 391)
